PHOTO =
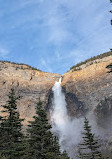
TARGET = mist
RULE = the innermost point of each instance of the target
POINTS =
(66, 128)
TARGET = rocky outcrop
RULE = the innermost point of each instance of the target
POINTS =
(90, 84)
(29, 83)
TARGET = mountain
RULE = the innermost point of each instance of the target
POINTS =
(87, 87)
(88, 90)
(30, 83)
(89, 83)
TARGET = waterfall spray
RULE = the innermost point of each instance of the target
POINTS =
(59, 115)
(66, 129)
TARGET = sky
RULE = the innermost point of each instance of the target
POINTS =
(54, 35)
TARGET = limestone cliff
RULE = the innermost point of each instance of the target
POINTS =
(29, 83)
(90, 84)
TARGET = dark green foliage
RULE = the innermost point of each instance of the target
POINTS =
(11, 137)
(89, 148)
(90, 60)
(39, 143)
(3, 157)
(39, 135)
(42, 143)
(26, 148)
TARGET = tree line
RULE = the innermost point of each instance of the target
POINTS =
(38, 142)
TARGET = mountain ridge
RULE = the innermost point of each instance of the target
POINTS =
(84, 89)
(77, 66)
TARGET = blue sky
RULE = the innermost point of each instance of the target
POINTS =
(53, 35)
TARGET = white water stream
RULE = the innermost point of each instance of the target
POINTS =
(66, 129)
(59, 115)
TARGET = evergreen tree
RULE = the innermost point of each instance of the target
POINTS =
(42, 143)
(11, 136)
(2, 157)
(89, 148)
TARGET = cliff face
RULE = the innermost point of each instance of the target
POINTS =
(29, 84)
(85, 90)
(90, 84)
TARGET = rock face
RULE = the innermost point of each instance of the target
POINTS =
(84, 89)
(90, 84)
(29, 84)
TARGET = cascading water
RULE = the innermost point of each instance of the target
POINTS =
(59, 115)
(66, 129)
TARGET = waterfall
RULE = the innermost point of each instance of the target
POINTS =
(59, 117)
(66, 129)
